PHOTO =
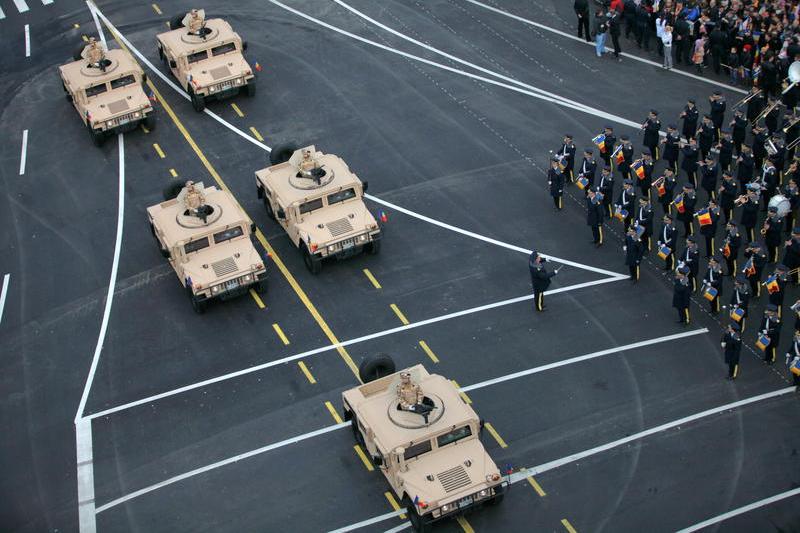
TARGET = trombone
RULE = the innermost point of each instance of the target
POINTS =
(767, 111)
(791, 124)
(790, 273)
(747, 98)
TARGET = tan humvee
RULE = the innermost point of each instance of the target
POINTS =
(319, 202)
(425, 439)
(205, 56)
(207, 239)
(106, 87)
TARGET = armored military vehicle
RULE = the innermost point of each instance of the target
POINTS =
(208, 240)
(424, 437)
(107, 89)
(205, 56)
(318, 200)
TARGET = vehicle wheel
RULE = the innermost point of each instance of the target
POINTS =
(98, 136)
(198, 102)
(501, 493)
(171, 191)
(199, 306)
(268, 208)
(282, 153)
(76, 55)
(359, 438)
(251, 88)
(373, 247)
(313, 264)
(375, 367)
(260, 286)
(150, 120)
(417, 522)
(176, 22)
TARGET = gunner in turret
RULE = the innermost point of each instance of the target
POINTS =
(196, 22)
(93, 52)
(309, 167)
(195, 202)
(409, 393)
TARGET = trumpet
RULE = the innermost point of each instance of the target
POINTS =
(747, 98)
(765, 227)
(741, 200)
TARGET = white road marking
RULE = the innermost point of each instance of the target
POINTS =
(2, 15)
(23, 156)
(27, 40)
(3, 294)
(335, 427)
(92, 9)
(525, 472)
(22, 7)
(575, 38)
(490, 240)
(401, 527)
(218, 464)
(368, 522)
(47, 2)
(87, 522)
(741, 510)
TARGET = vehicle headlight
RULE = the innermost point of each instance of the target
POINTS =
(211, 89)
(363, 238)
(238, 81)
(446, 508)
(136, 115)
(110, 124)
(247, 277)
(215, 289)
(331, 248)
(484, 493)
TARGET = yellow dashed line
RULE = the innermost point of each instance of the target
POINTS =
(364, 458)
(76, 25)
(174, 174)
(399, 314)
(85, 38)
(463, 394)
(464, 525)
(144, 129)
(256, 134)
(307, 372)
(159, 151)
(494, 434)
(334, 414)
(568, 526)
(371, 278)
(237, 110)
(538, 488)
(254, 294)
(156, 9)
(280, 333)
(429, 351)
(394, 504)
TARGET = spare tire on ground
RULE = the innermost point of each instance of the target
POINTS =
(281, 153)
(375, 367)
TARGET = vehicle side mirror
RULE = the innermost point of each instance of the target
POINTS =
(365, 186)
(244, 46)
(144, 77)
(172, 63)
(165, 253)
(252, 227)
(378, 460)
(281, 213)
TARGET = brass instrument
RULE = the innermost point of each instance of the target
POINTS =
(794, 76)
(765, 227)
(791, 124)
(767, 111)
(770, 147)
(793, 143)
(741, 200)
(747, 98)
(789, 273)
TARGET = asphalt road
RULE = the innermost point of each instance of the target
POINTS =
(468, 153)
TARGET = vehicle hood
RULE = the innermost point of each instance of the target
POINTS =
(221, 263)
(452, 479)
(335, 223)
(219, 69)
(118, 102)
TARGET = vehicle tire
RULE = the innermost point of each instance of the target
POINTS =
(374, 247)
(359, 438)
(268, 208)
(98, 136)
(172, 189)
(260, 286)
(500, 490)
(198, 102)
(282, 153)
(150, 120)
(375, 367)
(76, 55)
(313, 264)
(176, 22)
(417, 522)
(251, 88)
(199, 306)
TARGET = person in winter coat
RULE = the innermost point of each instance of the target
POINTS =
(595, 213)
(600, 32)
(666, 45)
(614, 30)
(582, 12)
(699, 53)
(633, 252)
(732, 345)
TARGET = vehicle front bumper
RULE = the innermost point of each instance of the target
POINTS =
(233, 292)
(229, 92)
(126, 127)
(500, 489)
(343, 249)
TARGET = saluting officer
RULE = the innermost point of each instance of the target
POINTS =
(771, 328)
(773, 233)
(725, 147)
(740, 299)
(666, 189)
(567, 153)
(713, 279)
(627, 201)
(759, 255)
(709, 172)
(705, 136)
(690, 158)
(627, 154)
(672, 147)
(727, 195)
(730, 247)
(555, 179)
(595, 213)
(718, 107)
(681, 292)
(668, 236)
(690, 258)
(644, 219)
(791, 253)
(739, 127)
(690, 116)
(610, 141)
(652, 127)
(689, 199)
(605, 185)
(540, 279)
(732, 345)
(633, 252)
(588, 168)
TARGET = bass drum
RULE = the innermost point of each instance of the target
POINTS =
(781, 203)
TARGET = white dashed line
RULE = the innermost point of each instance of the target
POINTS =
(47, 2)
(22, 7)
(27, 40)
(23, 157)
(3, 294)
(2, 15)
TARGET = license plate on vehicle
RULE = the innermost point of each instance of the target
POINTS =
(225, 86)
(464, 502)
(231, 285)
(123, 121)
(347, 244)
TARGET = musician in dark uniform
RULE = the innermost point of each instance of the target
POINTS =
(705, 136)
(555, 179)
(739, 127)
(540, 279)
(792, 358)
(626, 201)
(668, 236)
(792, 193)
(652, 127)
(732, 345)
(672, 147)
(792, 131)
(709, 172)
(725, 147)
(667, 184)
(791, 254)
(713, 280)
(689, 164)
(779, 157)
(610, 141)
(756, 104)
(710, 230)
(690, 115)
(605, 184)
(690, 258)
(681, 293)
(644, 219)
(773, 233)
(749, 215)
(633, 252)
(567, 153)
(740, 299)
(689, 200)
(756, 252)
(730, 247)
(646, 182)
(760, 137)
(595, 213)
(627, 153)
(588, 168)
(777, 290)
(771, 120)
(727, 195)
(771, 328)
(745, 169)
(771, 181)
(718, 106)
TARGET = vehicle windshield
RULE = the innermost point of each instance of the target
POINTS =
(341, 196)
(310, 205)
(223, 49)
(197, 56)
(417, 449)
(195, 245)
(123, 81)
(94, 90)
(228, 234)
(453, 436)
